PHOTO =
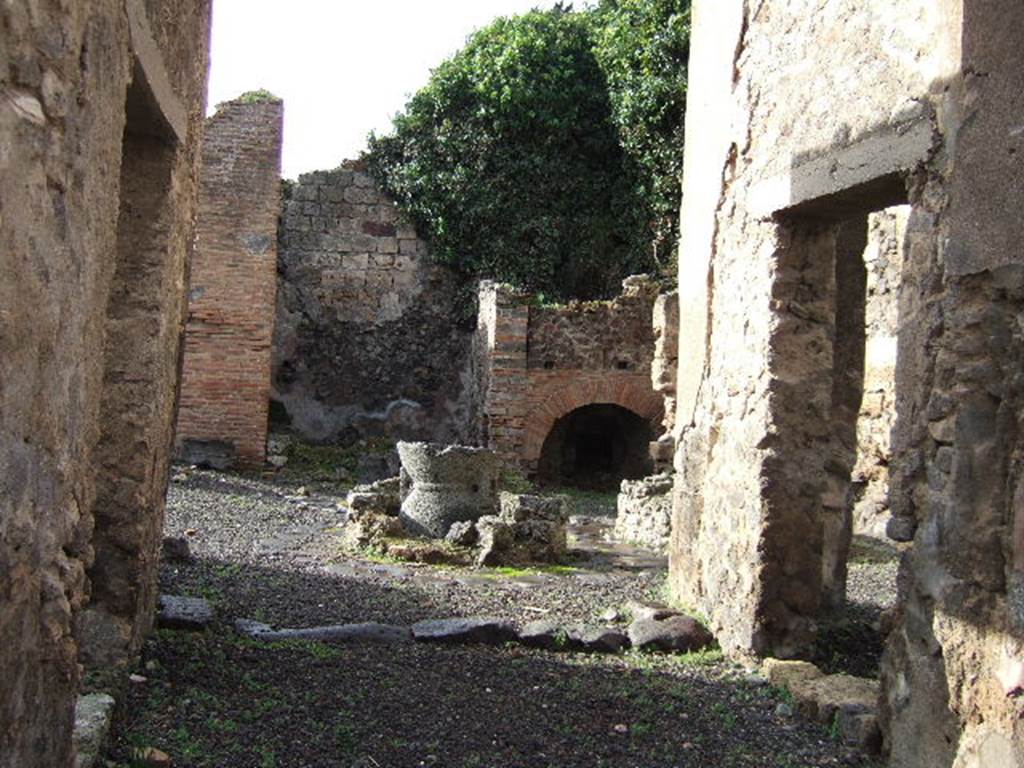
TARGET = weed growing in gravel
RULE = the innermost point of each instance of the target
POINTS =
(647, 661)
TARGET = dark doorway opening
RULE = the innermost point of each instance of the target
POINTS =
(595, 447)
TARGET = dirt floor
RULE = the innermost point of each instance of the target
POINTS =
(264, 551)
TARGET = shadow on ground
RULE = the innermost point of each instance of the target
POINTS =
(219, 699)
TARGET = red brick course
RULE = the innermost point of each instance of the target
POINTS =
(226, 377)
(541, 363)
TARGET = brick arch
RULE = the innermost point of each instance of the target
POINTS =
(559, 398)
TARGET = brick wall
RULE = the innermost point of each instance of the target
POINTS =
(226, 381)
(535, 364)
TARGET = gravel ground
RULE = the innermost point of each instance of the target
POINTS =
(263, 553)
(217, 699)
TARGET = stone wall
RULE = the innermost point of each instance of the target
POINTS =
(664, 367)
(806, 118)
(92, 307)
(883, 266)
(232, 286)
(370, 337)
(535, 364)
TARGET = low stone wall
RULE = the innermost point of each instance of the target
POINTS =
(371, 338)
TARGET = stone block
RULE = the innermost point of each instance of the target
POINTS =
(783, 673)
(93, 714)
(674, 634)
(464, 631)
(188, 613)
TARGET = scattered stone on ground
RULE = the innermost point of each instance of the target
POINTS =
(678, 633)
(177, 612)
(485, 631)
(382, 497)
(598, 639)
(176, 549)
(552, 636)
(93, 713)
(348, 690)
(463, 533)
(640, 610)
(366, 528)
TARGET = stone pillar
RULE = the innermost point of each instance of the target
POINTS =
(664, 370)
(504, 318)
(226, 379)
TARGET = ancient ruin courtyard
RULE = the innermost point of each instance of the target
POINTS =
(259, 551)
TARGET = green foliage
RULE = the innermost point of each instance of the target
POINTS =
(257, 97)
(515, 162)
(643, 48)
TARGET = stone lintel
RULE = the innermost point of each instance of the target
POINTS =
(149, 64)
(866, 163)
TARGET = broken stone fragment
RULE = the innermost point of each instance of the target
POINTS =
(381, 497)
(188, 613)
(598, 639)
(546, 634)
(679, 634)
(644, 511)
(367, 632)
(364, 528)
(463, 533)
(551, 636)
(783, 673)
(639, 610)
(460, 631)
(495, 541)
(92, 721)
(428, 551)
(176, 550)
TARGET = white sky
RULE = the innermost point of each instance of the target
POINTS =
(343, 67)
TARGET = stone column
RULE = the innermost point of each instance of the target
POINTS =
(504, 316)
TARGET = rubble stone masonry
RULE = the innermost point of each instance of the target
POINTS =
(101, 108)
(372, 337)
(233, 283)
(807, 118)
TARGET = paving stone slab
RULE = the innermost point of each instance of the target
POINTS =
(485, 631)
(365, 632)
(191, 613)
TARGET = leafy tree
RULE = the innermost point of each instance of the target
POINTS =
(643, 47)
(514, 160)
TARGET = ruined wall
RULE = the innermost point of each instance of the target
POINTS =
(536, 364)
(883, 264)
(806, 116)
(232, 286)
(371, 337)
(664, 369)
(91, 309)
